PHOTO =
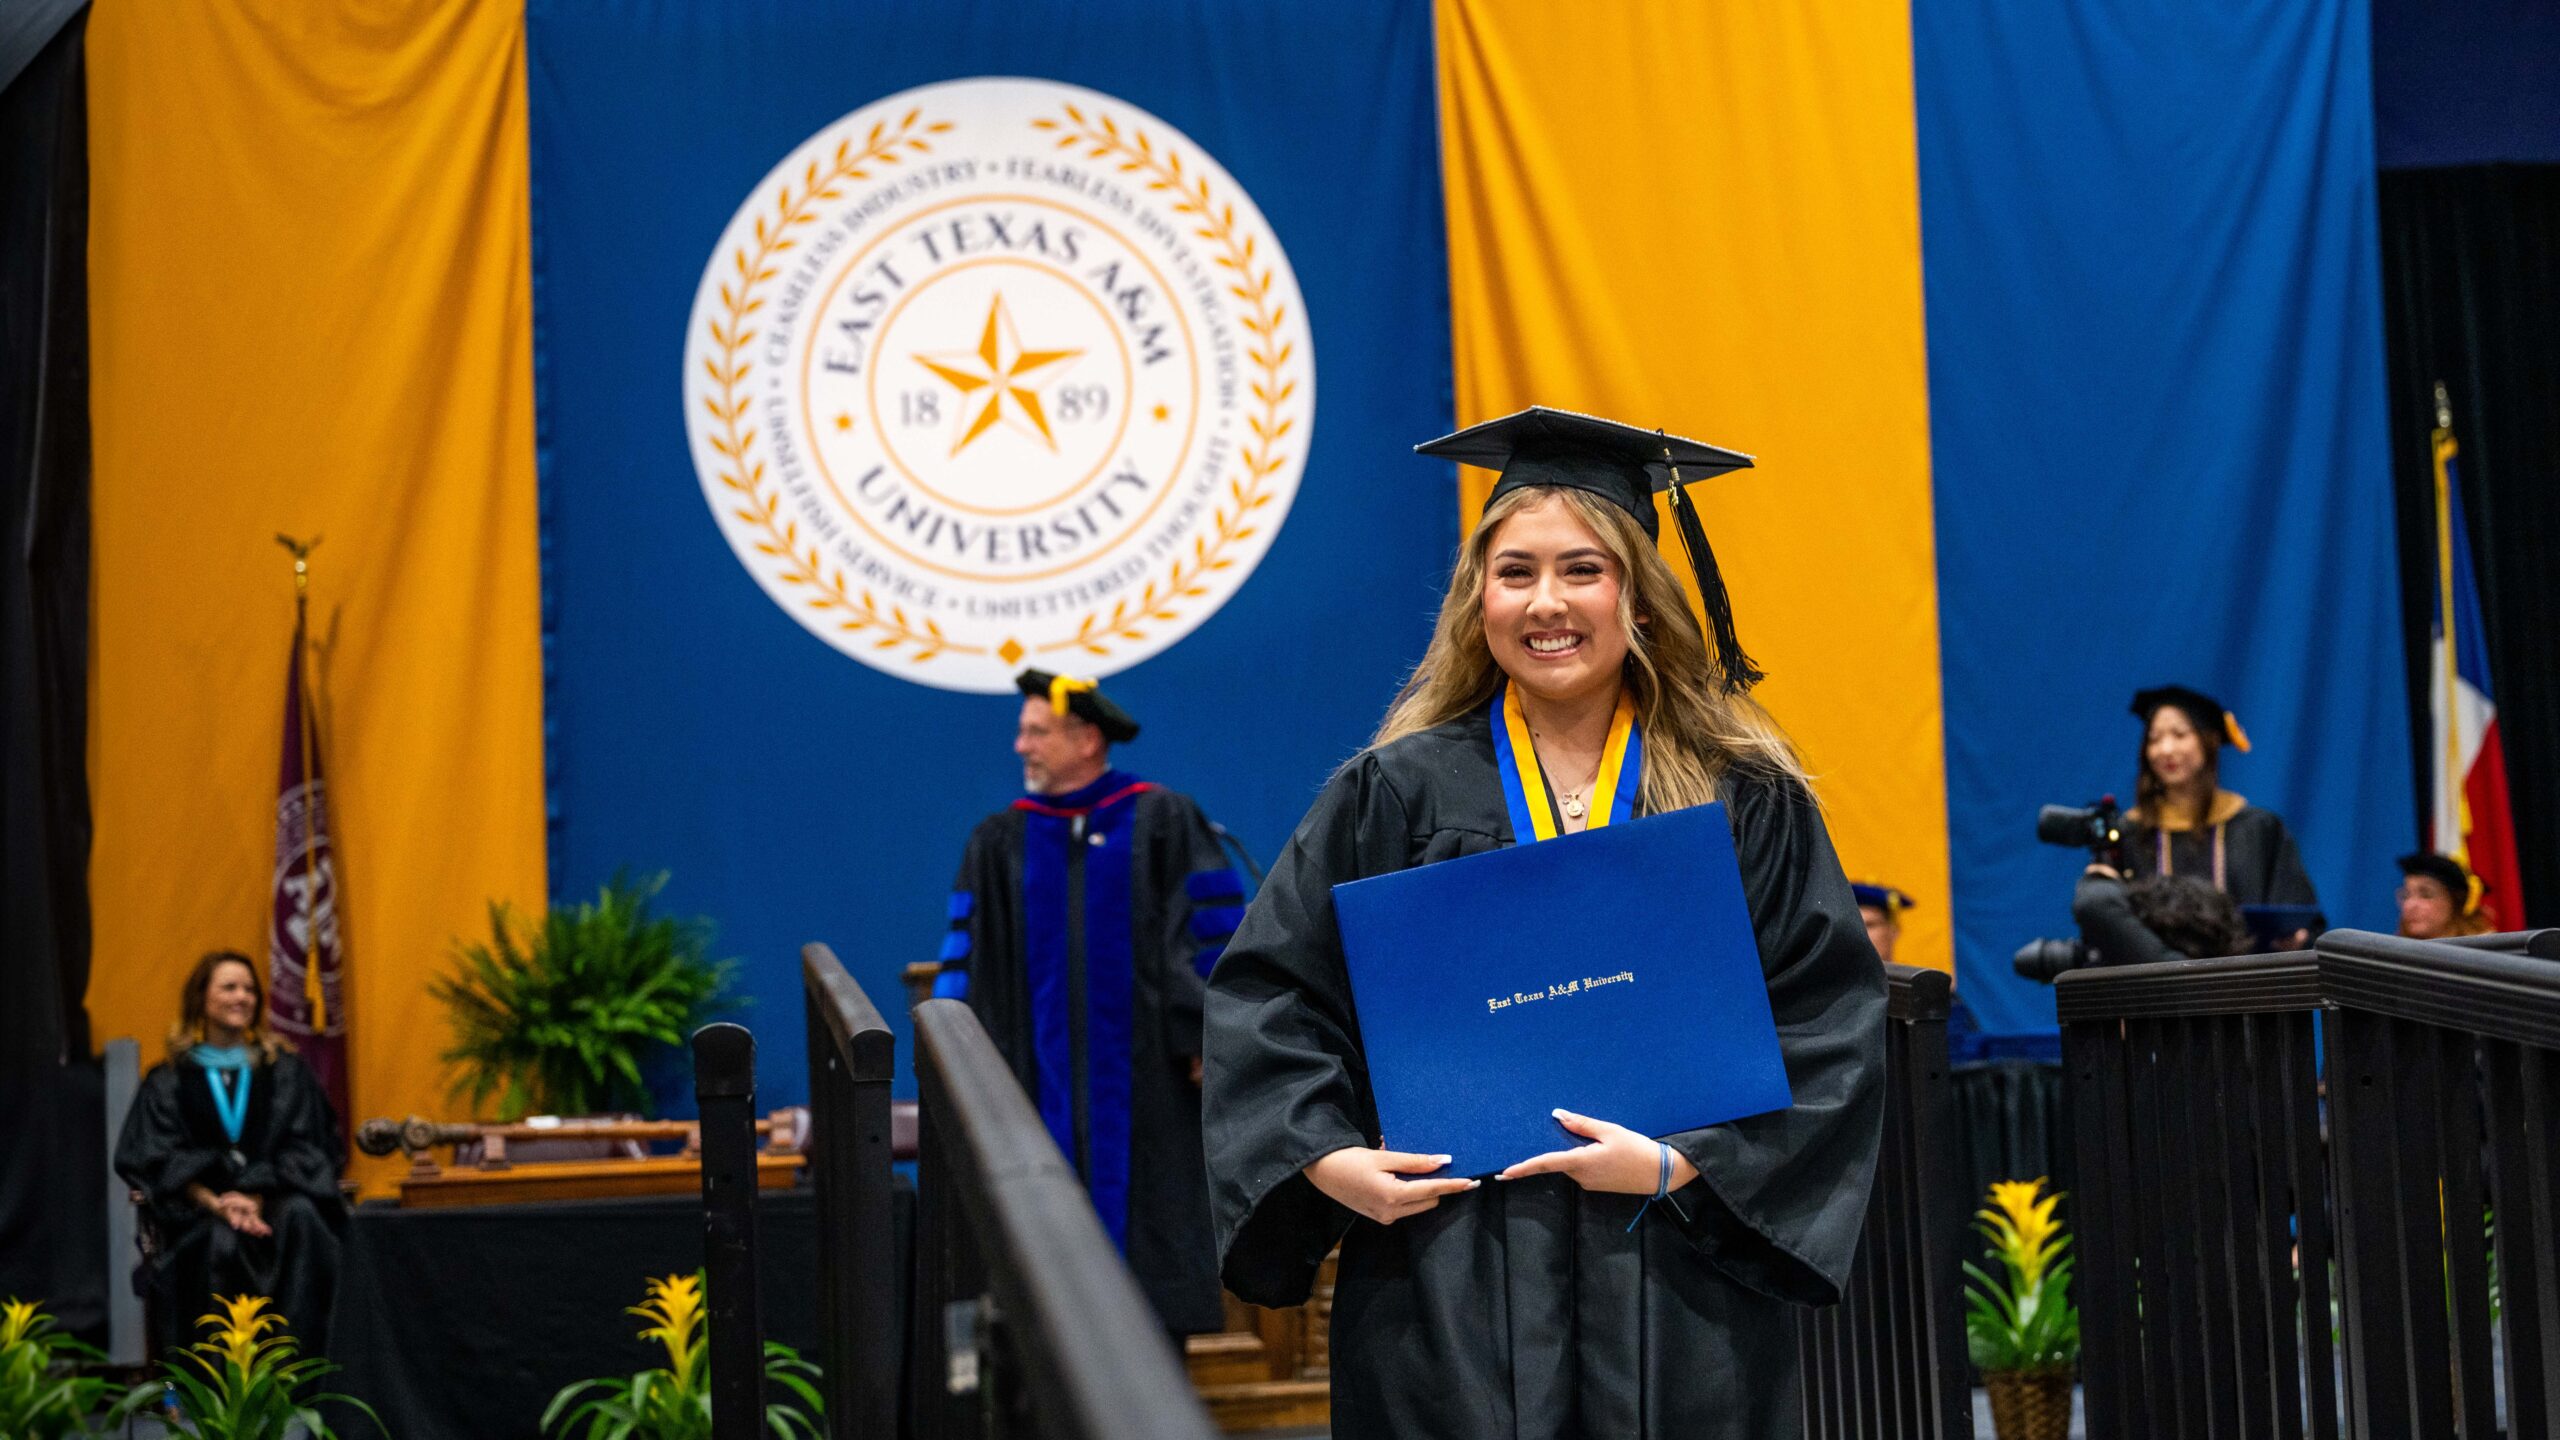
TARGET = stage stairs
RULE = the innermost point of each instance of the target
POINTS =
(1269, 1370)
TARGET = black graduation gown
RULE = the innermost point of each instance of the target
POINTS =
(1085, 923)
(1526, 1309)
(2260, 865)
(288, 1156)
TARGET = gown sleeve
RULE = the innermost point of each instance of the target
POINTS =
(302, 1154)
(2287, 882)
(154, 1152)
(1206, 901)
(1780, 1198)
(1286, 1084)
(960, 942)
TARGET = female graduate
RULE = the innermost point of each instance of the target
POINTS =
(2185, 823)
(1619, 1286)
(236, 1151)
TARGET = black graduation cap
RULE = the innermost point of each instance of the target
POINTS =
(2201, 708)
(1880, 897)
(1068, 695)
(2457, 879)
(1624, 466)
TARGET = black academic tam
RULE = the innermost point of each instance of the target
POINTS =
(1624, 465)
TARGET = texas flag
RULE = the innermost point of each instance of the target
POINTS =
(2471, 820)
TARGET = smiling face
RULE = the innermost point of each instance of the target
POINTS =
(2173, 749)
(2426, 908)
(1059, 752)
(1551, 603)
(231, 1002)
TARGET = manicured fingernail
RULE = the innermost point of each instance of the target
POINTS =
(1443, 1159)
(1475, 1184)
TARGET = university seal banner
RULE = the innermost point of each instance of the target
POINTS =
(997, 372)
(883, 351)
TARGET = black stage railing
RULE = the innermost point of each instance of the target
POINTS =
(724, 1087)
(1888, 1361)
(1027, 1323)
(861, 1338)
(2271, 1245)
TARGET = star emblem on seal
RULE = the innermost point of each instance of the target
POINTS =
(998, 367)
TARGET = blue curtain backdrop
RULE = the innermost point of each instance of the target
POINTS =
(2160, 449)
(794, 793)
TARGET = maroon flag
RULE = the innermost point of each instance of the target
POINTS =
(306, 959)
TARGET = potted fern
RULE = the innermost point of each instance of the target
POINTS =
(39, 1398)
(244, 1383)
(559, 1015)
(2020, 1326)
(673, 1401)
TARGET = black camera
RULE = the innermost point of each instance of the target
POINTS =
(2096, 828)
(2041, 960)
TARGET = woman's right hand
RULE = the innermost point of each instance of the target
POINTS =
(1368, 1182)
(241, 1212)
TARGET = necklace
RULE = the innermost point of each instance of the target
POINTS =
(1571, 801)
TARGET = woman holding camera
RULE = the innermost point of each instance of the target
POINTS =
(2184, 823)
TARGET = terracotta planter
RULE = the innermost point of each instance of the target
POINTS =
(2030, 1404)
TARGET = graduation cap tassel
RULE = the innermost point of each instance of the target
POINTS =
(1740, 673)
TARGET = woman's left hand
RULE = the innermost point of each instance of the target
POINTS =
(1618, 1162)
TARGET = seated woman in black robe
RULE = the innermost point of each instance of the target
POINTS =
(2184, 823)
(1564, 1298)
(235, 1148)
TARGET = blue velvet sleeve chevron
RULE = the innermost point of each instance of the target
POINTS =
(1217, 908)
(953, 982)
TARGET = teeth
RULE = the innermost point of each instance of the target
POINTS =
(1550, 646)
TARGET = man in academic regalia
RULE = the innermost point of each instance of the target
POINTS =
(1881, 907)
(1083, 925)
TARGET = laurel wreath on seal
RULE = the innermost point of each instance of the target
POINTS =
(804, 565)
(1248, 491)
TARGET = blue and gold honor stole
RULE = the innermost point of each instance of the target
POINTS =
(230, 1101)
(1104, 840)
(1524, 787)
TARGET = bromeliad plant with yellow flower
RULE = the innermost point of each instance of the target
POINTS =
(673, 1402)
(2020, 1326)
(249, 1381)
(39, 1399)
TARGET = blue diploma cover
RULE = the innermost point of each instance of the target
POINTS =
(1611, 973)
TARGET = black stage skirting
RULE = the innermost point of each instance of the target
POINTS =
(2010, 1116)
(461, 1324)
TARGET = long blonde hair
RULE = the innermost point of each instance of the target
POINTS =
(1694, 732)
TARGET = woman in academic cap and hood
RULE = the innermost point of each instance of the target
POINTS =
(1624, 1286)
(2184, 823)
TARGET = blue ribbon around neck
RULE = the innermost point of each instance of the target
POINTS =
(230, 1102)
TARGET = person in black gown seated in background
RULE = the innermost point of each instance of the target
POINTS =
(1562, 1299)
(2184, 823)
(233, 1144)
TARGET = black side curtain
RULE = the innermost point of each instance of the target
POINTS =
(52, 1142)
(44, 575)
(2471, 277)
